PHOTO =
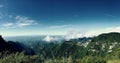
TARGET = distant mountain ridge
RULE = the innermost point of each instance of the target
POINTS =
(12, 47)
(4, 46)
(111, 37)
(78, 48)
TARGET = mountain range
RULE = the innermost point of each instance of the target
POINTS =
(12, 47)
(76, 48)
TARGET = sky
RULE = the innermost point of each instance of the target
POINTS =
(59, 17)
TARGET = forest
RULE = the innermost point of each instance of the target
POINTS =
(104, 48)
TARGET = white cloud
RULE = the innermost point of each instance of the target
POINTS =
(8, 25)
(114, 29)
(53, 38)
(48, 38)
(20, 22)
(97, 32)
(24, 21)
(73, 34)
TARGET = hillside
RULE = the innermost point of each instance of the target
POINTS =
(108, 37)
(103, 48)
(105, 42)
(12, 47)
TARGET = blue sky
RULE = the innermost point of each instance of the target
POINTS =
(56, 17)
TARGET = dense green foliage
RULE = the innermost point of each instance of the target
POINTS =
(22, 58)
(104, 48)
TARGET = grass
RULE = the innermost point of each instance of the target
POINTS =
(114, 61)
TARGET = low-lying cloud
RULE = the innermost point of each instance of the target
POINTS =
(73, 34)
(48, 38)
(106, 30)
(53, 38)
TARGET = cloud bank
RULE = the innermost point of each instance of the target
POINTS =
(53, 38)
(106, 30)
(73, 34)
(48, 38)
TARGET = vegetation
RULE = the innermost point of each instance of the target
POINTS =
(104, 48)
(22, 58)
